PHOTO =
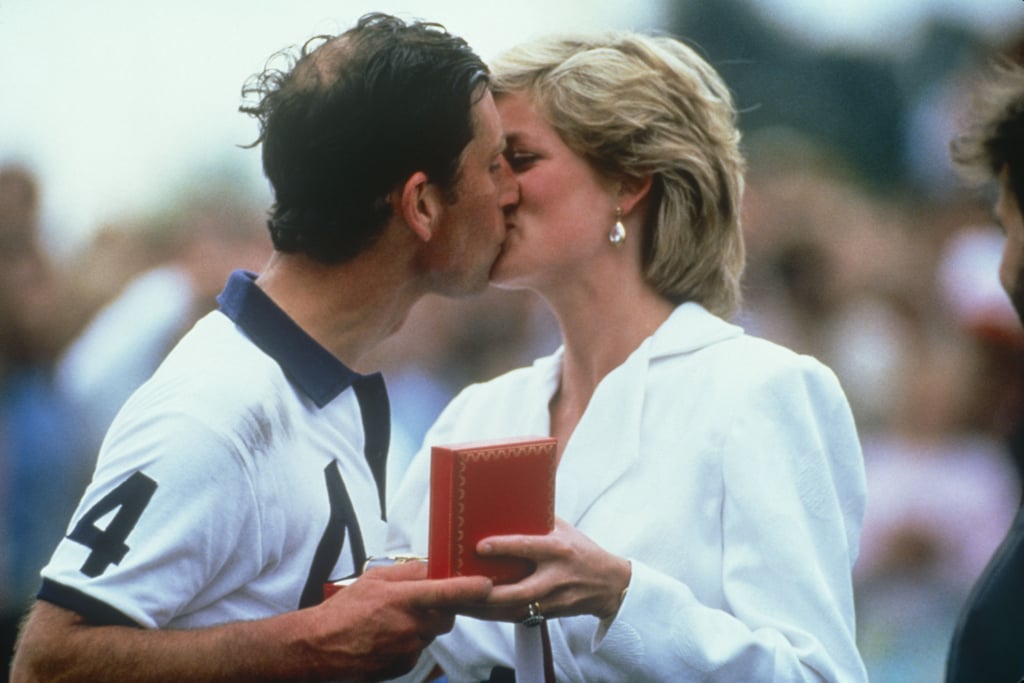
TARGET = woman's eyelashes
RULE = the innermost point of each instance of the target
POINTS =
(520, 160)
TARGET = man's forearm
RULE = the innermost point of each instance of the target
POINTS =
(374, 629)
(58, 645)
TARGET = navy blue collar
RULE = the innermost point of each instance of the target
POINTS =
(311, 367)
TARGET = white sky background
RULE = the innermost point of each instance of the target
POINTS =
(117, 103)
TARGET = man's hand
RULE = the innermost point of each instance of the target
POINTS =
(376, 627)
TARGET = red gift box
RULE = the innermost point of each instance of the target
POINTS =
(488, 488)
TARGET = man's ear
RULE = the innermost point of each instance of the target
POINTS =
(420, 204)
(632, 190)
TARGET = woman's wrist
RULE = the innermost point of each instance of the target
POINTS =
(619, 587)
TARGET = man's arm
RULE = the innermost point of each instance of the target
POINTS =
(371, 630)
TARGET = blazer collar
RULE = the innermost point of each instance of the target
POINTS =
(688, 328)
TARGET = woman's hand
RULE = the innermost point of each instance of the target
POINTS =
(574, 576)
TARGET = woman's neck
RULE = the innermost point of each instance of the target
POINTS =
(599, 334)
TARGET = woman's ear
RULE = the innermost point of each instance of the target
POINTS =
(632, 190)
(420, 205)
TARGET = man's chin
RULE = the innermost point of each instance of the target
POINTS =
(480, 287)
(468, 286)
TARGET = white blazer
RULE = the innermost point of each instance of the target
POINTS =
(727, 469)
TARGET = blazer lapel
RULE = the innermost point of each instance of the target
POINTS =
(606, 442)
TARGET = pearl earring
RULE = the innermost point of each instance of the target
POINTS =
(618, 232)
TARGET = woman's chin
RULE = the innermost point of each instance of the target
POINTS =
(499, 282)
(499, 276)
(505, 283)
(508, 271)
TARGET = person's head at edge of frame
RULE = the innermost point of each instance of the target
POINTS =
(990, 146)
(636, 106)
(354, 116)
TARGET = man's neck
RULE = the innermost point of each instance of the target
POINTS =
(348, 308)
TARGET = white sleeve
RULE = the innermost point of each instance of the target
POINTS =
(159, 528)
(793, 505)
(409, 508)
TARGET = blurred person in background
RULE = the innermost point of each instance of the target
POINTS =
(833, 272)
(987, 644)
(710, 485)
(42, 468)
(849, 277)
(247, 471)
(200, 242)
(942, 492)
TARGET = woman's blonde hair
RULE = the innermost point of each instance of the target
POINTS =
(635, 105)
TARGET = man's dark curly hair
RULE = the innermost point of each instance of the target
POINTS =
(353, 116)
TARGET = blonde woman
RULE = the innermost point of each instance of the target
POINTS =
(710, 487)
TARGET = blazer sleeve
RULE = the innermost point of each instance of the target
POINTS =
(793, 503)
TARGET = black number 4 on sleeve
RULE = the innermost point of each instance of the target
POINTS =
(108, 545)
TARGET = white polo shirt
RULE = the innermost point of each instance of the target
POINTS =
(233, 483)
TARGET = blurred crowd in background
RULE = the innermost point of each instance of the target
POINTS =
(864, 250)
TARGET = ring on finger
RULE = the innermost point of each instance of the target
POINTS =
(535, 617)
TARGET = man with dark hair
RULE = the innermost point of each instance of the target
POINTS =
(248, 471)
(988, 644)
